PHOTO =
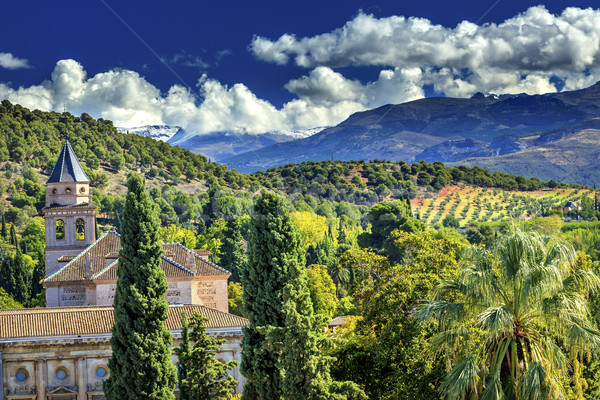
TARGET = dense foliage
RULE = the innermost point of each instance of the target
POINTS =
(200, 375)
(506, 318)
(140, 366)
(281, 356)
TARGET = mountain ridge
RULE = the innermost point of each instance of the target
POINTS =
(440, 129)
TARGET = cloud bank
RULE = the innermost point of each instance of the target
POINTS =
(533, 52)
(522, 54)
(8, 61)
(126, 98)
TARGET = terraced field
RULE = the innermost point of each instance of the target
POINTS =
(474, 204)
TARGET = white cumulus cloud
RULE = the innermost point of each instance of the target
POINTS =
(8, 61)
(520, 54)
(128, 99)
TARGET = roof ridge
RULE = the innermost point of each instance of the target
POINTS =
(79, 255)
(109, 266)
(175, 263)
(202, 258)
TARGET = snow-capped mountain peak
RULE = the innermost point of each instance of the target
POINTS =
(158, 132)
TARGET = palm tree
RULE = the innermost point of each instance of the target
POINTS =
(339, 274)
(501, 319)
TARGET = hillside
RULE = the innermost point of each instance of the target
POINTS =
(188, 187)
(438, 129)
(573, 157)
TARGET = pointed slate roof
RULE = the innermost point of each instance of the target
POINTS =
(67, 167)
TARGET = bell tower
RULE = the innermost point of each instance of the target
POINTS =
(69, 212)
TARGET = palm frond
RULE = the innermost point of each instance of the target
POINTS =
(444, 311)
(582, 338)
(461, 379)
(554, 355)
(583, 280)
(493, 390)
(447, 286)
(563, 307)
(531, 386)
(449, 339)
(497, 320)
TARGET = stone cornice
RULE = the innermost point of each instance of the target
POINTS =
(105, 338)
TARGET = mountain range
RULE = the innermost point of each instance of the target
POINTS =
(551, 136)
(217, 146)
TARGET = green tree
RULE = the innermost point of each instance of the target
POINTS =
(140, 366)
(281, 357)
(13, 235)
(235, 297)
(201, 376)
(386, 217)
(322, 290)
(234, 257)
(587, 208)
(339, 274)
(387, 355)
(212, 240)
(7, 302)
(37, 278)
(4, 231)
(21, 275)
(524, 297)
(7, 273)
(450, 221)
(274, 248)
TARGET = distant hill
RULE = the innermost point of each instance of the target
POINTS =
(441, 129)
(567, 155)
(221, 145)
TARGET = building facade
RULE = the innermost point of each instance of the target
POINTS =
(62, 351)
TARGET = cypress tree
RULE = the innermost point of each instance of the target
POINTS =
(13, 235)
(234, 258)
(281, 357)
(97, 228)
(4, 231)
(7, 273)
(201, 376)
(22, 278)
(273, 248)
(39, 273)
(311, 255)
(140, 366)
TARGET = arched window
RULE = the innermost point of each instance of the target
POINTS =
(79, 229)
(60, 229)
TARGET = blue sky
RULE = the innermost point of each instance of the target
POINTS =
(272, 65)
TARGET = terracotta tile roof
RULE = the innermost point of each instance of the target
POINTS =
(175, 263)
(170, 267)
(94, 320)
(75, 270)
(181, 255)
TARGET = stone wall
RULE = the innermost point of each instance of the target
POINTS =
(76, 367)
(211, 293)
